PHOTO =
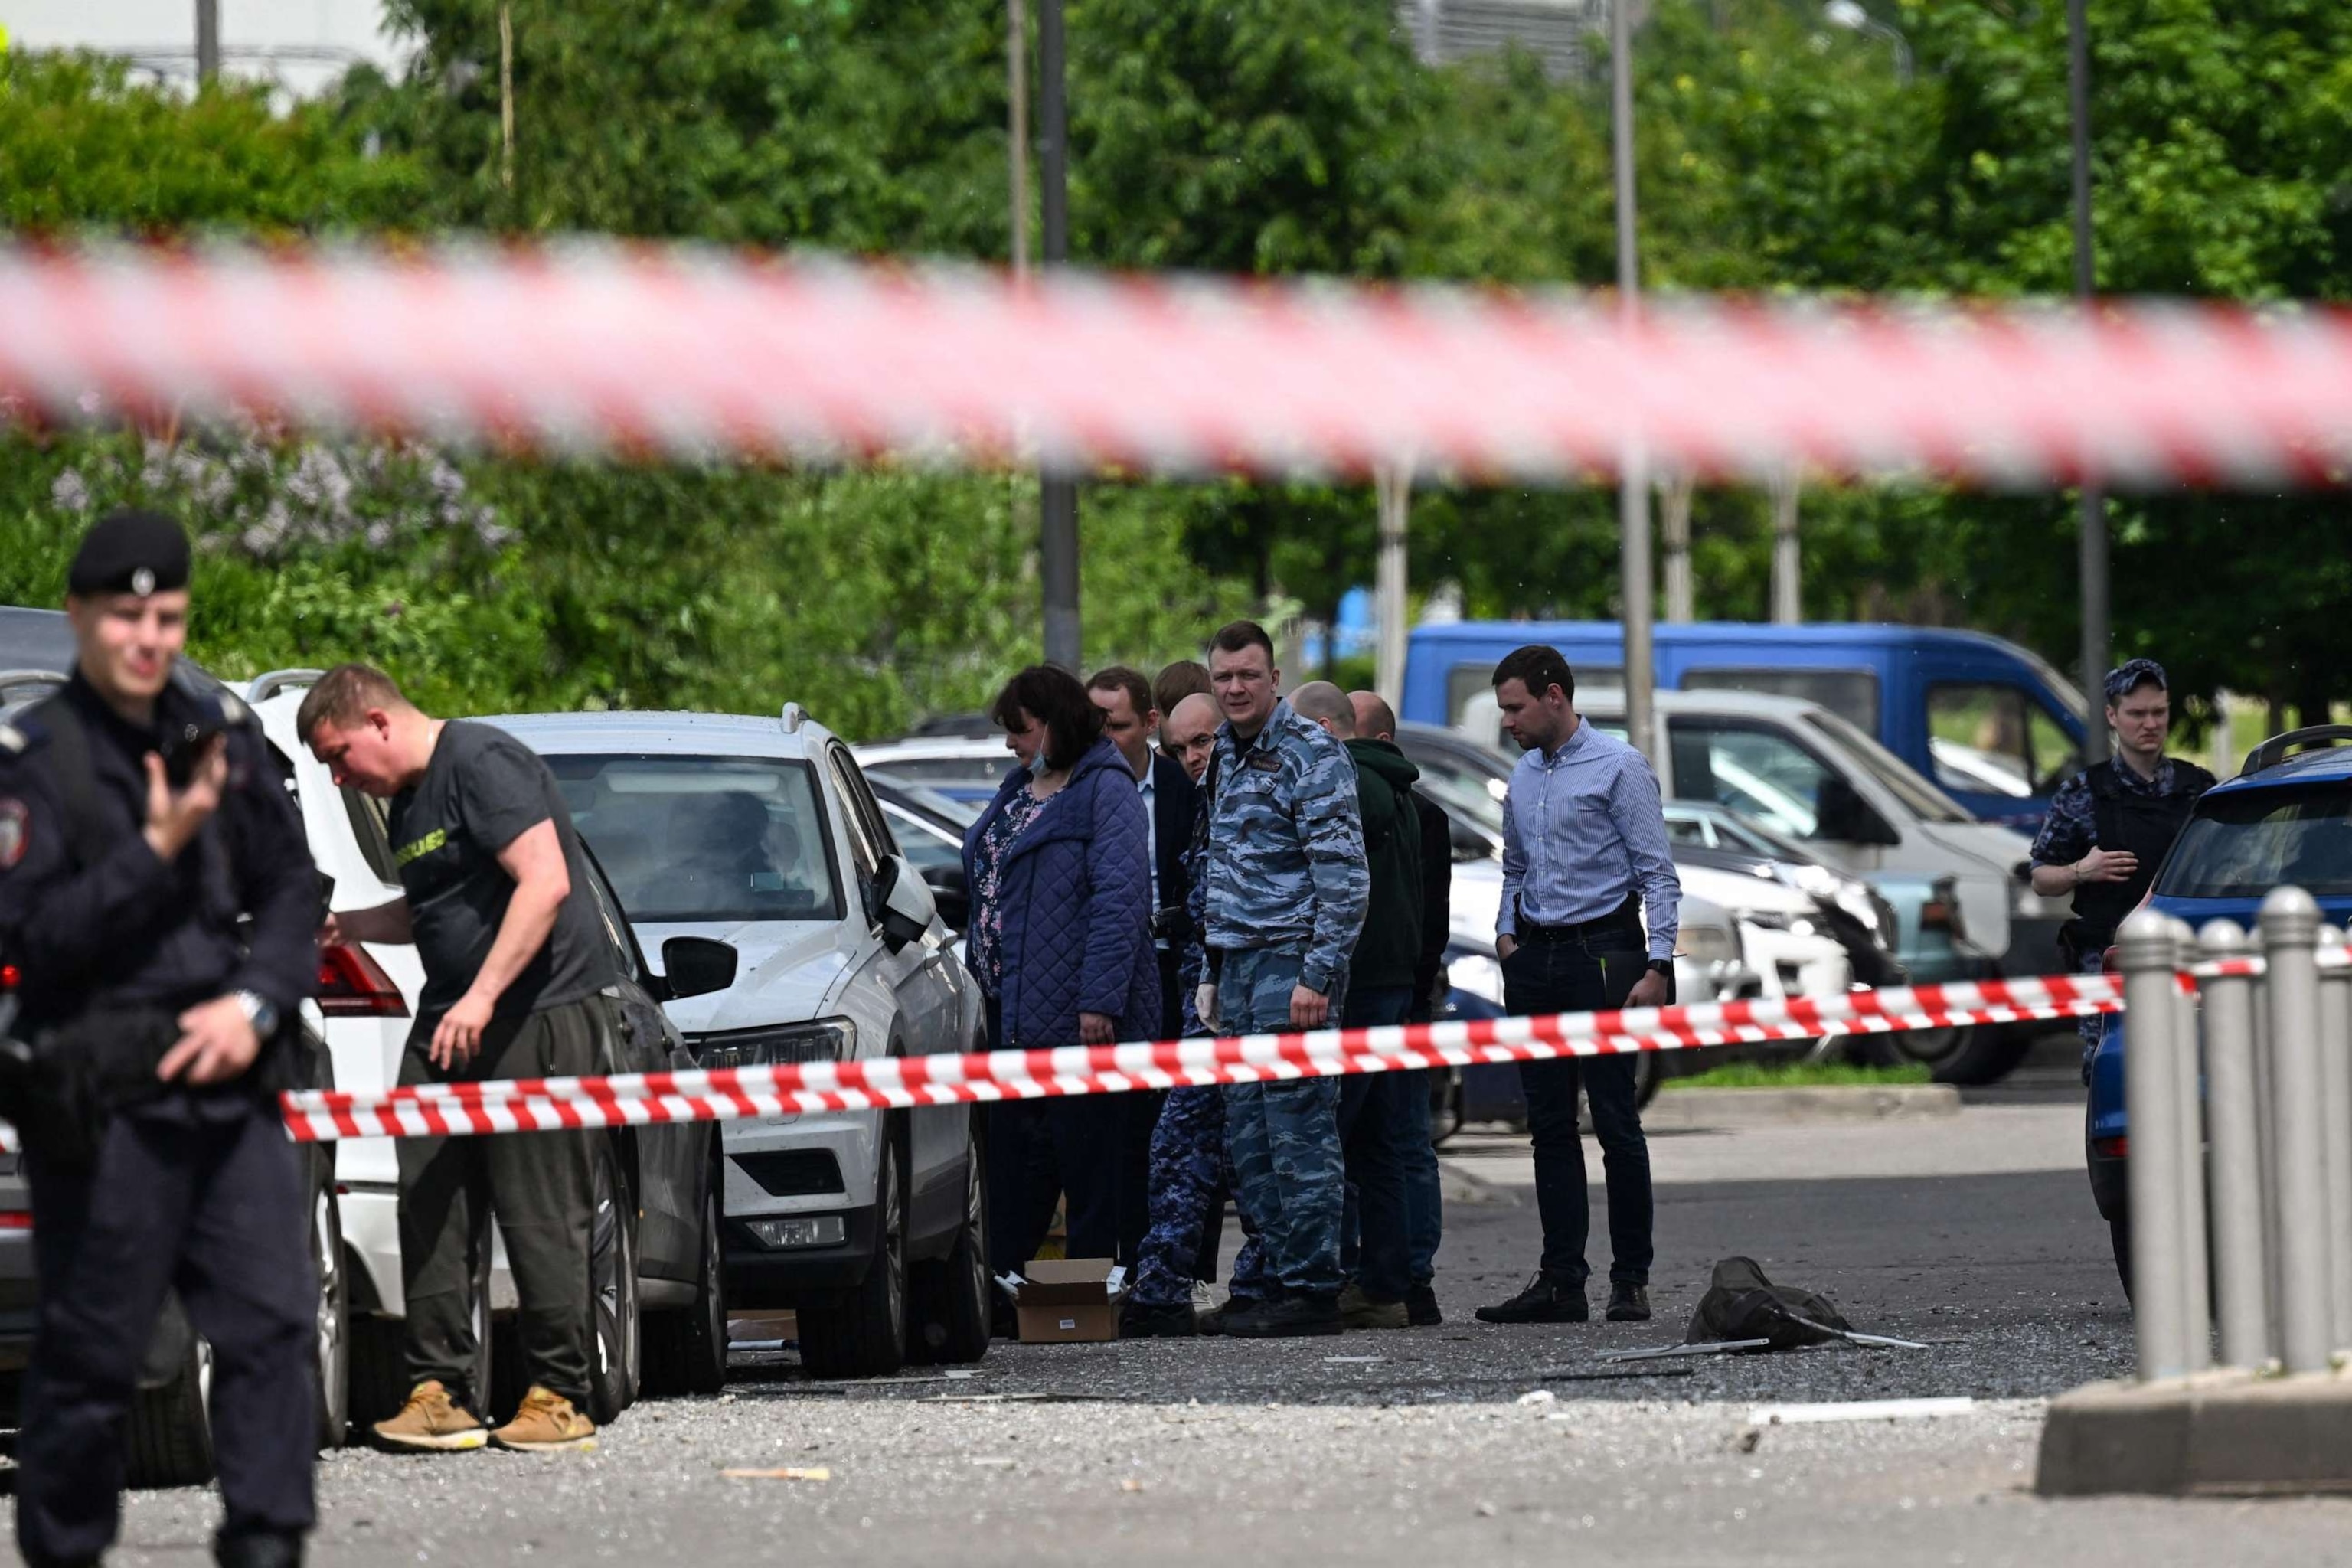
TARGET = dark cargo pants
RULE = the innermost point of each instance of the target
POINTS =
(214, 1208)
(539, 1185)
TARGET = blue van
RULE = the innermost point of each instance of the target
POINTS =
(1994, 725)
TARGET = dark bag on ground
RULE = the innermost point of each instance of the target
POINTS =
(1741, 1304)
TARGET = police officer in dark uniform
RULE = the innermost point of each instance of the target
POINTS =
(140, 823)
(2110, 826)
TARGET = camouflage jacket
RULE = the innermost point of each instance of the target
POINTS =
(1285, 863)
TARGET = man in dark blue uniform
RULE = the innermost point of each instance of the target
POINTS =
(2110, 826)
(139, 823)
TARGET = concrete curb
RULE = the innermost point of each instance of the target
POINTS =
(1685, 1108)
(2219, 1434)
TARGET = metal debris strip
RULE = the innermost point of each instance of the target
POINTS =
(1720, 1347)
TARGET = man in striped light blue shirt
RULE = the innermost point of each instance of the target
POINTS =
(1585, 860)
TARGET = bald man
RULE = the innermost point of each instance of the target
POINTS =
(1189, 732)
(1376, 725)
(1374, 1123)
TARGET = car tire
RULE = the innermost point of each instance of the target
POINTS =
(1968, 1055)
(334, 1324)
(948, 1298)
(685, 1351)
(863, 1331)
(168, 1439)
(616, 1346)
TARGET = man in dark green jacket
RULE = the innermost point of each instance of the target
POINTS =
(1373, 1123)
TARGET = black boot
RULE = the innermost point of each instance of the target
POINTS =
(258, 1549)
(1421, 1308)
(1628, 1303)
(1214, 1321)
(1154, 1320)
(1289, 1318)
(1548, 1299)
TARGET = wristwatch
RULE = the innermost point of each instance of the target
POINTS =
(258, 1013)
(1664, 966)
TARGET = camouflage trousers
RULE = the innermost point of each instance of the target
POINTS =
(1189, 1179)
(1283, 1137)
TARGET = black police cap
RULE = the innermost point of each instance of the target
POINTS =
(130, 551)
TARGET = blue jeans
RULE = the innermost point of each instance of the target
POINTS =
(1375, 1244)
(1283, 1136)
(1424, 1207)
(1576, 977)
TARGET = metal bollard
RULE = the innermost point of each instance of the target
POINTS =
(2335, 1135)
(2266, 1143)
(2236, 1161)
(2189, 1101)
(2290, 922)
(2149, 956)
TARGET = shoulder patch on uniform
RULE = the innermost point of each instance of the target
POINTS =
(15, 832)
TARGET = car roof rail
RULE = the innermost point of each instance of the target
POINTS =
(12, 680)
(2273, 752)
(262, 688)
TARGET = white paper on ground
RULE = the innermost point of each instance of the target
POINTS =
(1859, 1410)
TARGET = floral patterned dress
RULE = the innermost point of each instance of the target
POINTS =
(986, 950)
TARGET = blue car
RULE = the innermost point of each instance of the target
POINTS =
(2283, 822)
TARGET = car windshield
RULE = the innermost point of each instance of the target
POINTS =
(704, 839)
(1901, 779)
(2244, 843)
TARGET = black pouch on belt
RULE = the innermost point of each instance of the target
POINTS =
(61, 1088)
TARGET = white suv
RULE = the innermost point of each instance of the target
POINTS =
(764, 833)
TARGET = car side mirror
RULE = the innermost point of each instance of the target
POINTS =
(1843, 817)
(697, 966)
(907, 907)
(951, 895)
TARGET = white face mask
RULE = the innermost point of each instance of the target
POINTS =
(1037, 763)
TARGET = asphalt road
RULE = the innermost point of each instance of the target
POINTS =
(1974, 1232)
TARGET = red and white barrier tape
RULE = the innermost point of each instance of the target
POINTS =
(693, 352)
(731, 1094)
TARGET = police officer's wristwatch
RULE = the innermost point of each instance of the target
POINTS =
(258, 1013)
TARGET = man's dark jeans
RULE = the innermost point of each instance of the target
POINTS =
(1577, 977)
(1372, 1130)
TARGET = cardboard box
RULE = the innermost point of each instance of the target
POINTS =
(1066, 1301)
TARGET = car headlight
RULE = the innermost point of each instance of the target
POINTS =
(1708, 944)
(1479, 975)
(824, 1041)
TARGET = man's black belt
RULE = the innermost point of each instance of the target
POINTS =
(1625, 920)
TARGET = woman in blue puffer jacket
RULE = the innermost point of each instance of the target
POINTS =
(1060, 869)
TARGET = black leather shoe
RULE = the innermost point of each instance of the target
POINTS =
(1290, 1317)
(1157, 1320)
(1214, 1320)
(1628, 1303)
(1421, 1308)
(1546, 1300)
(258, 1549)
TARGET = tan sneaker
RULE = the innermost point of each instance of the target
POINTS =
(546, 1425)
(432, 1423)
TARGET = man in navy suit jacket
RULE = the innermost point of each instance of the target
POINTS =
(1131, 722)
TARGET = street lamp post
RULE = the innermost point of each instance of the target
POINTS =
(207, 40)
(1633, 476)
(2096, 637)
(1058, 544)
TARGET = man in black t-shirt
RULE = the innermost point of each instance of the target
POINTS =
(498, 904)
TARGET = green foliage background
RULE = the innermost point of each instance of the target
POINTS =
(1257, 136)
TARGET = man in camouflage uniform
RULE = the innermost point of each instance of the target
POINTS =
(2110, 826)
(1190, 1172)
(1286, 888)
